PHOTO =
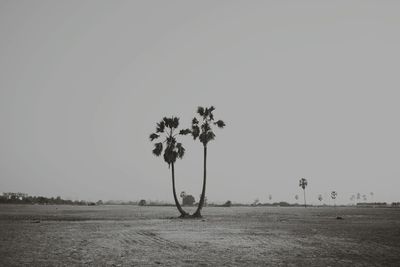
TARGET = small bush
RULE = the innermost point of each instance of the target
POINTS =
(188, 200)
(227, 204)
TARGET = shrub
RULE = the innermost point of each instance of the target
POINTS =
(188, 200)
(227, 204)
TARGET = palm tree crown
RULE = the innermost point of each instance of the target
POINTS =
(303, 183)
(173, 149)
(204, 132)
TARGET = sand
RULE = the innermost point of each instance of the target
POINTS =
(40, 235)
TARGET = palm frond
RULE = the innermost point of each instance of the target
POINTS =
(185, 131)
(171, 140)
(205, 127)
(175, 122)
(170, 155)
(195, 131)
(153, 136)
(220, 124)
(167, 155)
(203, 138)
(210, 136)
(160, 127)
(200, 111)
(167, 122)
(206, 112)
(181, 150)
(158, 147)
(195, 121)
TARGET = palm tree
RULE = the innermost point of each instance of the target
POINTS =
(167, 128)
(333, 196)
(303, 184)
(320, 197)
(203, 130)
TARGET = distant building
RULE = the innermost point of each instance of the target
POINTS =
(18, 195)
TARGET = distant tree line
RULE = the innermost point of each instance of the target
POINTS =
(21, 198)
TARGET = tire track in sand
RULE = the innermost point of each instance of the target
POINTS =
(147, 238)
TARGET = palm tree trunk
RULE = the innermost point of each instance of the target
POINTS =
(203, 192)
(177, 204)
(305, 205)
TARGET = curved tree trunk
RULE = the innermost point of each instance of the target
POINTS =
(178, 205)
(305, 205)
(203, 192)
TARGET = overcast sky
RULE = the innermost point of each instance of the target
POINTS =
(306, 88)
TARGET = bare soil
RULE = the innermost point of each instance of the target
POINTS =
(35, 235)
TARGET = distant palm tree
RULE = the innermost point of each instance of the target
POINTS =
(172, 151)
(333, 196)
(203, 130)
(320, 197)
(303, 184)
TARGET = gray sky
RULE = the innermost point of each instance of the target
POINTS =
(307, 89)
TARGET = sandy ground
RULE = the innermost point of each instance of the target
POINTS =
(237, 236)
